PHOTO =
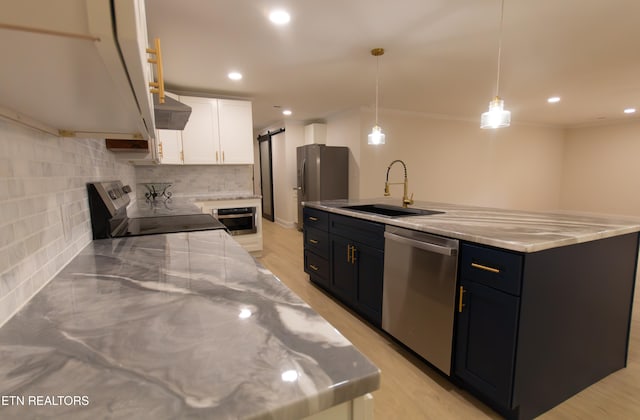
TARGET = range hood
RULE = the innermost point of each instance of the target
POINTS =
(171, 115)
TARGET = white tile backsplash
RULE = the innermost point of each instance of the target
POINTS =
(198, 179)
(44, 214)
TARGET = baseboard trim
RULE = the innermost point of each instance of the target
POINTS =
(285, 223)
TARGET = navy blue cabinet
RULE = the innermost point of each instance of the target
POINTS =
(487, 323)
(486, 341)
(345, 256)
(343, 269)
(357, 263)
(357, 271)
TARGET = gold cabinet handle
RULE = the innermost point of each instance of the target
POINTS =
(313, 241)
(460, 304)
(313, 219)
(313, 267)
(216, 156)
(348, 253)
(182, 156)
(223, 156)
(158, 86)
(353, 255)
(485, 268)
(160, 150)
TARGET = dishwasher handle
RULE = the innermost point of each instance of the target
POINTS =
(426, 246)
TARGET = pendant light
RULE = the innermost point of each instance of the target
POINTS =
(497, 116)
(376, 136)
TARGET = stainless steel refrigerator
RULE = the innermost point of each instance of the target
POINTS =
(323, 174)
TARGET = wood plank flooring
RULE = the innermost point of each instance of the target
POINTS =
(410, 389)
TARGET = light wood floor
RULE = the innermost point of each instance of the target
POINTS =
(412, 390)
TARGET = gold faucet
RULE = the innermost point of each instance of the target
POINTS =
(406, 200)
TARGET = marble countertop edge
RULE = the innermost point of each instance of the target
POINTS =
(337, 394)
(515, 230)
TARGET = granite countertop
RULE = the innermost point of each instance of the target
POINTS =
(509, 229)
(184, 325)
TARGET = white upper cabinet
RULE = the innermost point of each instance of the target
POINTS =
(169, 146)
(219, 131)
(62, 70)
(200, 137)
(236, 131)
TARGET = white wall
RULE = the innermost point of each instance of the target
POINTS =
(44, 207)
(344, 129)
(455, 161)
(602, 169)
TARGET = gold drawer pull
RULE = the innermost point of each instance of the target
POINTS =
(313, 267)
(313, 219)
(313, 241)
(460, 304)
(484, 267)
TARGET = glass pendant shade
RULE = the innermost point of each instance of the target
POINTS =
(376, 136)
(497, 116)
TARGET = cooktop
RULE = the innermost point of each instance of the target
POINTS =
(168, 224)
(108, 203)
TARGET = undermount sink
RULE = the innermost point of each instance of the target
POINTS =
(391, 211)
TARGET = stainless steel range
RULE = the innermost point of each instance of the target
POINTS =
(108, 203)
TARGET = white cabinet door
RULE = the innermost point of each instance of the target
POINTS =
(200, 137)
(169, 146)
(236, 131)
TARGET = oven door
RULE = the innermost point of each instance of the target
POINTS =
(238, 220)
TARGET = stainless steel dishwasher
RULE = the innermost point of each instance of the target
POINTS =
(418, 300)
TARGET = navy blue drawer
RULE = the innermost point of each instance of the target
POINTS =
(495, 268)
(317, 241)
(358, 230)
(316, 219)
(317, 268)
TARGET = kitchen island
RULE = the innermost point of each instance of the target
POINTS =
(542, 301)
(183, 325)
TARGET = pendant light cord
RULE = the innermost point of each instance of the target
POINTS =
(499, 48)
(377, 71)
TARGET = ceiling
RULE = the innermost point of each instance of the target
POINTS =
(440, 56)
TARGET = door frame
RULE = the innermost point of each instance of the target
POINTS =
(262, 138)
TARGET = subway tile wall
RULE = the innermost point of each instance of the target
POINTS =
(198, 180)
(44, 214)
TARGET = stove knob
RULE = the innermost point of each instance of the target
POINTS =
(112, 194)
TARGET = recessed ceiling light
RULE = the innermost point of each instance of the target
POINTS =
(553, 99)
(287, 112)
(234, 75)
(279, 17)
(629, 110)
